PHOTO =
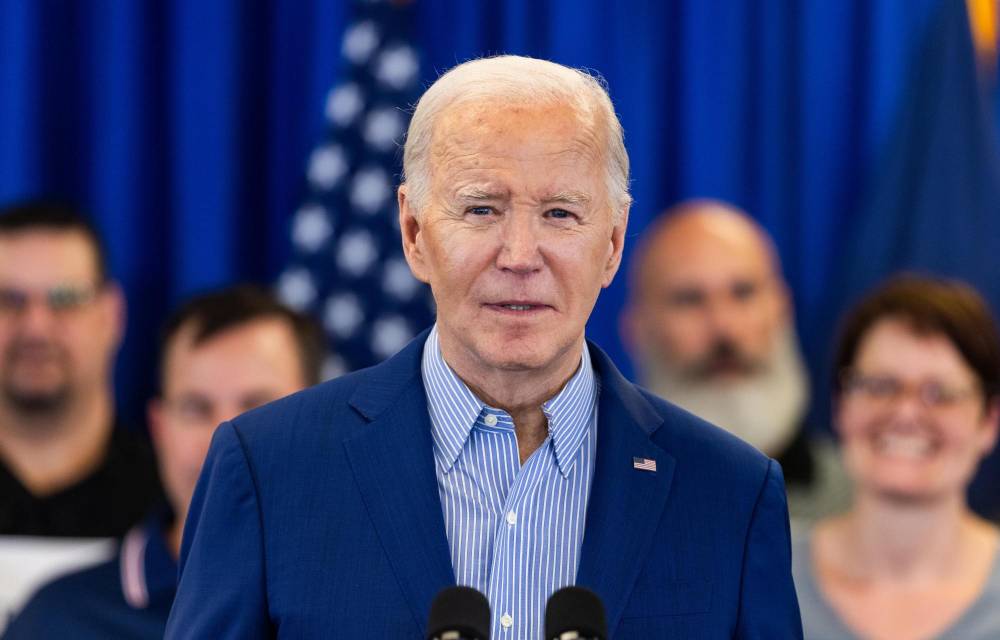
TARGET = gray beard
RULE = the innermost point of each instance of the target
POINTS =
(765, 409)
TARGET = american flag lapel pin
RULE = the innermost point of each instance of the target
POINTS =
(644, 464)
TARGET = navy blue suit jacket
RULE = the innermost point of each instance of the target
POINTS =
(318, 516)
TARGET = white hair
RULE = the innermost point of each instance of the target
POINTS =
(517, 79)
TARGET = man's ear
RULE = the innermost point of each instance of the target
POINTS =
(617, 247)
(783, 295)
(409, 227)
(112, 303)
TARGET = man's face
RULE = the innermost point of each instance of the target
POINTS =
(206, 384)
(711, 305)
(59, 326)
(516, 239)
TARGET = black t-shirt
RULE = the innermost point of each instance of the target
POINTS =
(111, 499)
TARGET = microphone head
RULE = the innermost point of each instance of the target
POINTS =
(575, 609)
(462, 611)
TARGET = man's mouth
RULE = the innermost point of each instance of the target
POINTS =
(517, 306)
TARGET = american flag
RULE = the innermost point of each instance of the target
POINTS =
(644, 464)
(347, 266)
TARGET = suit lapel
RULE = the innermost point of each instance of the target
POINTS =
(393, 464)
(625, 504)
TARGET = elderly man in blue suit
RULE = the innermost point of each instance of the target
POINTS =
(499, 450)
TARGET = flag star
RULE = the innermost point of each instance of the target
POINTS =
(382, 128)
(397, 67)
(310, 228)
(389, 335)
(398, 281)
(296, 288)
(370, 189)
(327, 165)
(356, 252)
(342, 314)
(360, 41)
(343, 104)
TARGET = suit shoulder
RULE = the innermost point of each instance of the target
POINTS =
(319, 403)
(333, 408)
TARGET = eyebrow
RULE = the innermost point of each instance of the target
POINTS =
(569, 197)
(480, 193)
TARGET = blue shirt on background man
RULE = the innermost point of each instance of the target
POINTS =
(127, 597)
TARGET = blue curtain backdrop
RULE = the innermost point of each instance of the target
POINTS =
(185, 126)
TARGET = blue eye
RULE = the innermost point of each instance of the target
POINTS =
(480, 211)
(559, 214)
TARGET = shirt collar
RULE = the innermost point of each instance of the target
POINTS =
(147, 567)
(454, 409)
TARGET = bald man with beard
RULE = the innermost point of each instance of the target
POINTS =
(709, 322)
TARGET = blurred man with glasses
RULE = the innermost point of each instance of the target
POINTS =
(66, 470)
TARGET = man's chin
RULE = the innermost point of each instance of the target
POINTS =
(516, 360)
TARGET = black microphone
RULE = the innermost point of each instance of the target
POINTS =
(459, 613)
(575, 613)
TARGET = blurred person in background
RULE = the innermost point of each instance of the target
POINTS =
(71, 478)
(709, 322)
(66, 469)
(222, 354)
(916, 406)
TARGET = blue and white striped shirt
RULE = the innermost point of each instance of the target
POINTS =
(514, 531)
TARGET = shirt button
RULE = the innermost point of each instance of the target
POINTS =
(490, 420)
(506, 621)
(511, 517)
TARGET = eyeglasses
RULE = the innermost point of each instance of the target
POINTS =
(885, 390)
(61, 300)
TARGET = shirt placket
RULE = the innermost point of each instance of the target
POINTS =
(509, 548)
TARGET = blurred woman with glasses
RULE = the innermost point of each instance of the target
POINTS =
(916, 408)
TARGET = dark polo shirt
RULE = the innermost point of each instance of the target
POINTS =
(111, 499)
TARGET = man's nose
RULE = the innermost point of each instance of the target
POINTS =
(723, 316)
(519, 251)
(36, 317)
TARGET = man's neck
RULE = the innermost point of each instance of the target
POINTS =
(51, 452)
(175, 535)
(521, 392)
